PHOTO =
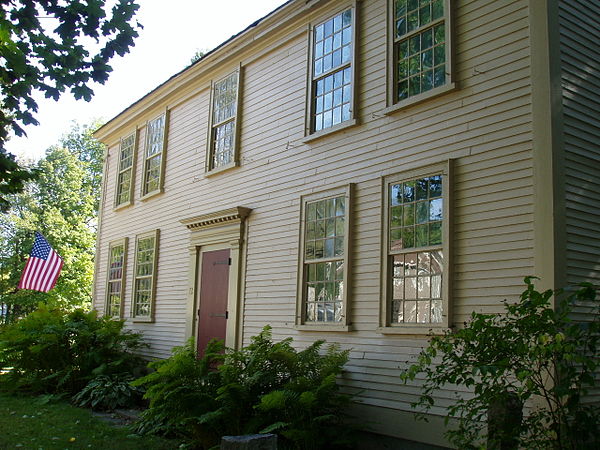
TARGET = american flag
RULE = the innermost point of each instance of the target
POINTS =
(42, 268)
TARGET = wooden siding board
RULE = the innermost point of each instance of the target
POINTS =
(485, 124)
(579, 33)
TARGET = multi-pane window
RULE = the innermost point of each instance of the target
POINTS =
(325, 225)
(153, 161)
(125, 171)
(420, 39)
(332, 71)
(116, 278)
(223, 122)
(144, 275)
(416, 250)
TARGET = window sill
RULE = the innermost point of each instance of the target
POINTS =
(151, 194)
(218, 170)
(324, 327)
(425, 330)
(419, 98)
(337, 128)
(142, 319)
(123, 206)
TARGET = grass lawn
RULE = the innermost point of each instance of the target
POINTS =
(28, 423)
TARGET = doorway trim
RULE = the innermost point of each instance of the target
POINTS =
(217, 230)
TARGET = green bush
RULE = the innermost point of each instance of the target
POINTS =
(181, 389)
(53, 351)
(109, 392)
(534, 351)
(264, 387)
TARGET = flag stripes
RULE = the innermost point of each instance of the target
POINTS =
(42, 268)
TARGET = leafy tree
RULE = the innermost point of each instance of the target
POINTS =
(42, 48)
(534, 351)
(62, 204)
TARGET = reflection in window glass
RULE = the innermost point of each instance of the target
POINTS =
(419, 47)
(324, 259)
(415, 227)
(124, 177)
(154, 154)
(225, 94)
(145, 259)
(332, 73)
(116, 260)
(417, 287)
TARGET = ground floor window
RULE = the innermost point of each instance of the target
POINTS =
(144, 283)
(416, 248)
(323, 272)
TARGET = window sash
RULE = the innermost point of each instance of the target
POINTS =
(415, 278)
(144, 275)
(223, 128)
(156, 133)
(124, 191)
(332, 45)
(324, 259)
(420, 56)
(115, 278)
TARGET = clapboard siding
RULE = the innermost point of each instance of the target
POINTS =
(579, 28)
(485, 125)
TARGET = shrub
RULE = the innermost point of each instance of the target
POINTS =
(264, 387)
(109, 392)
(532, 351)
(52, 351)
(181, 389)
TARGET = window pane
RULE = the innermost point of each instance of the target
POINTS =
(126, 156)
(324, 286)
(416, 215)
(144, 276)
(222, 144)
(153, 169)
(224, 109)
(154, 139)
(416, 287)
(124, 187)
(332, 50)
(115, 275)
(420, 59)
(417, 207)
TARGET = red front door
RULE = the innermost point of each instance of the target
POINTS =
(212, 310)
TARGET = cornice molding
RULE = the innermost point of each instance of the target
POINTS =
(217, 218)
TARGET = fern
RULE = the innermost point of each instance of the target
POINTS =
(262, 388)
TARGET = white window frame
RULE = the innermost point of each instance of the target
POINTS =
(210, 168)
(386, 327)
(310, 131)
(155, 234)
(162, 153)
(107, 304)
(120, 171)
(301, 322)
(447, 19)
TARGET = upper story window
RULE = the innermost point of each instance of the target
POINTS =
(323, 275)
(124, 191)
(222, 146)
(417, 249)
(421, 48)
(332, 71)
(115, 284)
(154, 156)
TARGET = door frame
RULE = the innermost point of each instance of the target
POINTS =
(225, 229)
